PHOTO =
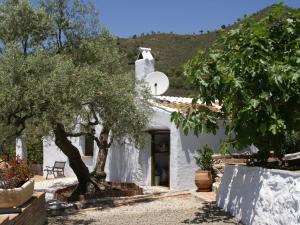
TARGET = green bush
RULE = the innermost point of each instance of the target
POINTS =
(35, 150)
(204, 158)
(292, 142)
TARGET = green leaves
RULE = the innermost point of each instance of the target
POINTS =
(254, 72)
(72, 21)
(254, 103)
(175, 118)
(77, 79)
(23, 24)
(204, 158)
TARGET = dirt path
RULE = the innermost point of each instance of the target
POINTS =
(167, 211)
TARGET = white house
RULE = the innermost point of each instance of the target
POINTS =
(167, 151)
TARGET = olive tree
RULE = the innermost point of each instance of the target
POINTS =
(253, 72)
(51, 95)
(71, 20)
(23, 24)
(66, 89)
(108, 101)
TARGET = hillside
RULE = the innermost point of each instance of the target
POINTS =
(171, 51)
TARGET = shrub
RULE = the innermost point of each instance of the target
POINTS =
(35, 150)
(204, 158)
(14, 173)
(253, 72)
(292, 142)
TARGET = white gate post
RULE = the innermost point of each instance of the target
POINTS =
(21, 148)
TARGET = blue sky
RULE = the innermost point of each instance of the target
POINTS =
(128, 17)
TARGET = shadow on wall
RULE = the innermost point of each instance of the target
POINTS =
(240, 192)
(125, 163)
(119, 165)
(144, 161)
(188, 146)
(190, 142)
(210, 214)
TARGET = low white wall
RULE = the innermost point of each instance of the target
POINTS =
(260, 196)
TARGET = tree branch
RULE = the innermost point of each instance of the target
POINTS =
(111, 141)
(95, 184)
(98, 142)
(77, 134)
(95, 117)
(21, 122)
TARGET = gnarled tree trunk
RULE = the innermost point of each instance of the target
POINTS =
(75, 161)
(103, 146)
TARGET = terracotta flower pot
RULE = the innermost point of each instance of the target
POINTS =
(203, 180)
(15, 197)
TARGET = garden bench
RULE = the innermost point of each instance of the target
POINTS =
(58, 168)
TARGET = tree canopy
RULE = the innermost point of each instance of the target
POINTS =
(23, 24)
(253, 72)
(63, 77)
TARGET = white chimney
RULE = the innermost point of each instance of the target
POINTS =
(145, 63)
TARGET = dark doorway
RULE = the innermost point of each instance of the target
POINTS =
(160, 152)
(89, 146)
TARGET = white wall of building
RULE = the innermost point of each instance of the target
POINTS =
(128, 164)
(125, 163)
(260, 196)
(145, 65)
(21, 148)
(52, 153)
(184, 148)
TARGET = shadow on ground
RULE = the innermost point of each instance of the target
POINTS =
(60, 208)
(210, 214)
(71, 221)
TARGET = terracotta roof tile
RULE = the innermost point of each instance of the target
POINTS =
(182, 104)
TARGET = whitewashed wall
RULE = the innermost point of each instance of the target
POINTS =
(135, 165)
(260, 196)
(145, 65)
(52, 153)
(21, 148)
(125, 163)
(183, 150)
(128, 164)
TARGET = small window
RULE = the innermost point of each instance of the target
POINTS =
(89, 146)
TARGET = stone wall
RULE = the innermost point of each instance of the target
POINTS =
(219, 162)
(260, 196)
(33, 212)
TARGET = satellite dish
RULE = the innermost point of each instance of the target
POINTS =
(158, 82)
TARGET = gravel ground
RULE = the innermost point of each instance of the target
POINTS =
(166, 211)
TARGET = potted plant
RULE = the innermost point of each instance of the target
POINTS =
(204, 161)
(16, 188)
